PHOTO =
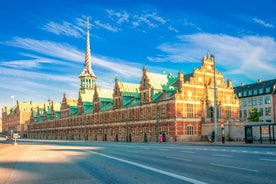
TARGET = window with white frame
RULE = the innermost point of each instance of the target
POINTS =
(261, 101)
(254, 101)
(163, 110)
(190, 130)
(268, 111)
(267, 100)
(190, 110)
(244, 103)
(249, 102)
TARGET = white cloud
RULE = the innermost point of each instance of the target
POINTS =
(106, 26)
(53, 49)
(157, 18)
(189, 24)
(261, 22)
(118, 67)
(66, 28)
(172, 29)
(143, 19)
(248, 56)
(150, 19)
(21, 74)
(121, 17)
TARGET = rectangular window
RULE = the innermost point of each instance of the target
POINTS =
(267, 100)
(145, 96)
(268, 111)
(145, 113)
(249, 102)
(261, 91)
(254, 101)
(163, 110)
(245, 113)
(261, 101)
(245, 93)
(240, 113)
(228, 112)
(250, 93)
(190, 110)
(190, 130)
(240, 94)
(267, 90)
(244, 103)
(261, 111)
(255, 92)
(154, 111)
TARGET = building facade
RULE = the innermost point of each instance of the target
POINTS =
(176, 106)
(260, 96)
(14, 119)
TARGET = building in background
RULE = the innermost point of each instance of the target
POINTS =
(180, 107)
(259, 96)
(176, 106)
(14, 119)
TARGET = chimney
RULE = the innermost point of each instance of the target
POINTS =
(259, 80)
(242, 84)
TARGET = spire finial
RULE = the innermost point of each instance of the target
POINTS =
(87, 23)
(87, 65)
(208, 54)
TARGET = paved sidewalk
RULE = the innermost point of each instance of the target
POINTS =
(9, 155)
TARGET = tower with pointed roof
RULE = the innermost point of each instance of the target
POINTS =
(87, 76)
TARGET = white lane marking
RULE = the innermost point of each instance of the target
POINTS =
(151, 169)
(187, 152)
(270, 160)
(233, 167)
(188, 160)
(41, 156)
(219, 155)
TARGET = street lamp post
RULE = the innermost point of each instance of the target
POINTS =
(215, 102)
(156, 114)
(127, 136)
(103, 133)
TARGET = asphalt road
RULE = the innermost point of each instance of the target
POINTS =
(111, 162)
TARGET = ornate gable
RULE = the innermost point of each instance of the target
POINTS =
(117, 97)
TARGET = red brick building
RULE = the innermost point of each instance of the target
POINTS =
(177, 106)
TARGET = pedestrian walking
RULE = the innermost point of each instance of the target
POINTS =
(160, 137)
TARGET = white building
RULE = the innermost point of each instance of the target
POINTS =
(260, 95)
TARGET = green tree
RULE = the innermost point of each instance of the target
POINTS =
(254, 115)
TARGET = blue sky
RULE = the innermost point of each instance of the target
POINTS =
(42, 43)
